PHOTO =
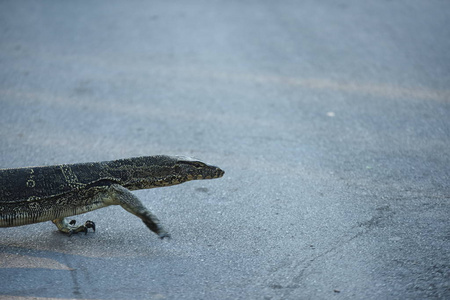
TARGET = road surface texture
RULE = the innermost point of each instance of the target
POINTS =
(330, 118)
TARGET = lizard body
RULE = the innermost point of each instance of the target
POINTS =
(52, 193)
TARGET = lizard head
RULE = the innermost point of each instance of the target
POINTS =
(162, 170)
(190, 169)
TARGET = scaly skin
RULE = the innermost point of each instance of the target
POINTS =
(52, 193)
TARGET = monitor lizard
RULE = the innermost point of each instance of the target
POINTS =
(53, 193)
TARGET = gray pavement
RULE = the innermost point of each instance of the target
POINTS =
(330, 118)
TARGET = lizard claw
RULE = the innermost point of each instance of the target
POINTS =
(164, 235)
(81, 228)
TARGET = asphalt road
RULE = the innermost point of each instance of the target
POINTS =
(331, 120)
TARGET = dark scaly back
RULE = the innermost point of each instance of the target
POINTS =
(38, 182)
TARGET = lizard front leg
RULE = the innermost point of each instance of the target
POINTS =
(69, 227)
(132, 204)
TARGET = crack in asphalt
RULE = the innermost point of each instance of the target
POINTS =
(382, 213)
